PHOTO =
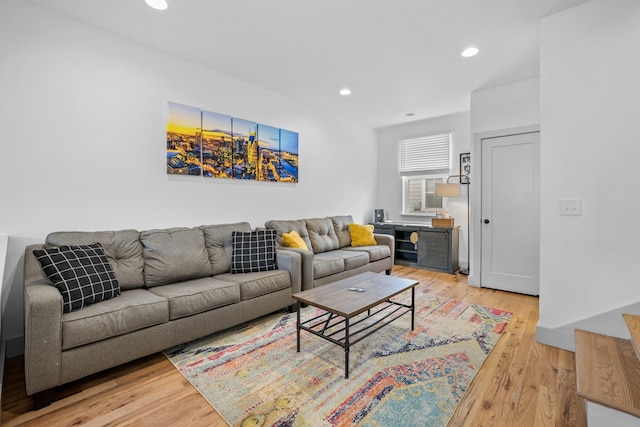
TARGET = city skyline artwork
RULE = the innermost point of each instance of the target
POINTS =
(209, 144)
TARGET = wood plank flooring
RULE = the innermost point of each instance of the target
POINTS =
(522, 383)
(608, 371)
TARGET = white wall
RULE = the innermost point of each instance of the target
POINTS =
(388, 179)
(506, 107)
(83, 117)
(590, 87)
(497, 111)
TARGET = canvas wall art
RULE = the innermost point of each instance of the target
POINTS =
(184, 126)
(465, 168)
(216, 145)
(288, 156)
(245, 148)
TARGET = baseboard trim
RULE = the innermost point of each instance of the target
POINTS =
(602, 416)
(607, 323)
(556, 338)
(473, 280)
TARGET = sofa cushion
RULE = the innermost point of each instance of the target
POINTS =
(322, 235)
(352, 259)
(326, 264)
(253, 285)
(253, 251)
(341, 227)
(197, 296)
(81, 273)
(362, 235)
(174, 255)
(217, 239)
(133, 310)
(375, 253)
(286, 226)
(122, 248)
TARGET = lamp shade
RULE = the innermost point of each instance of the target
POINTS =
(448, 190)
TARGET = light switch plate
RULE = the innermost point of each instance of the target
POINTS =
(570, 207)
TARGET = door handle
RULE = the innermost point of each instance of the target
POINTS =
(486, 221)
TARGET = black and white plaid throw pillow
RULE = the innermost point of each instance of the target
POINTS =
(81, 273)
(253, 251)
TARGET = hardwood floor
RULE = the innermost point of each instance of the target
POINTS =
(522, 383)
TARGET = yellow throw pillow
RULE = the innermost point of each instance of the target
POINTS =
(293, 240)
(362, 235)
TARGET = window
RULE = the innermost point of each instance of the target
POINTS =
(419, 195)
(423, 162)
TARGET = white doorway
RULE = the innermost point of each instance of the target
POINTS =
(509, 212)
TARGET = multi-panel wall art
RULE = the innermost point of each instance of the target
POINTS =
(219, 146)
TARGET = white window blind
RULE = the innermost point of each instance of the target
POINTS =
(429, 153)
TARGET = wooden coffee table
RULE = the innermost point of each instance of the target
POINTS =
(340, 305)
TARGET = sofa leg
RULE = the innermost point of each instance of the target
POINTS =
(42, 399)
(291, 308)
(388, 272)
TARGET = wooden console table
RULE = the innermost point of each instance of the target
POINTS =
(436, 248)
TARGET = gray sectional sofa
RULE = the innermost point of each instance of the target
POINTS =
(330, 255)
(175, 285)
(158, 288)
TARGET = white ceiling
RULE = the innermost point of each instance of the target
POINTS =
(397, 57)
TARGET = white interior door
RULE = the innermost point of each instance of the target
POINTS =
(510, 255)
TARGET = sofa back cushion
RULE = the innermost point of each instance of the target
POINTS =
(341, 227)
(122, 249)
(173, 255)
(287, 226)
(217, 239)
(322, 235)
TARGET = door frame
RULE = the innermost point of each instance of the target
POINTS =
(475, 246)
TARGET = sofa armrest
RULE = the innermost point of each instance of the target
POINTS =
(306, 261)
(389, 240)
(42, 336)
(290, 261)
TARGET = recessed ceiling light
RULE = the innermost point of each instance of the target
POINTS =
(470, 51)
(345, 91)
(157, 4)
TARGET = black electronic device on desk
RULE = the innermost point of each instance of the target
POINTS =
(378, 215)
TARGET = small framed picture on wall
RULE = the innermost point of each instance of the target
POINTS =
(465, 168)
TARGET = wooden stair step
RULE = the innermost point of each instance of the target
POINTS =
(633, 324)
(607, 371)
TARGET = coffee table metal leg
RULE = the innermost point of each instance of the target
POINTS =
(326, 324)
(346, 349)
(413, 306)
(298, 325)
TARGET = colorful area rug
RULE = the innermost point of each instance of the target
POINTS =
(253, 376)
